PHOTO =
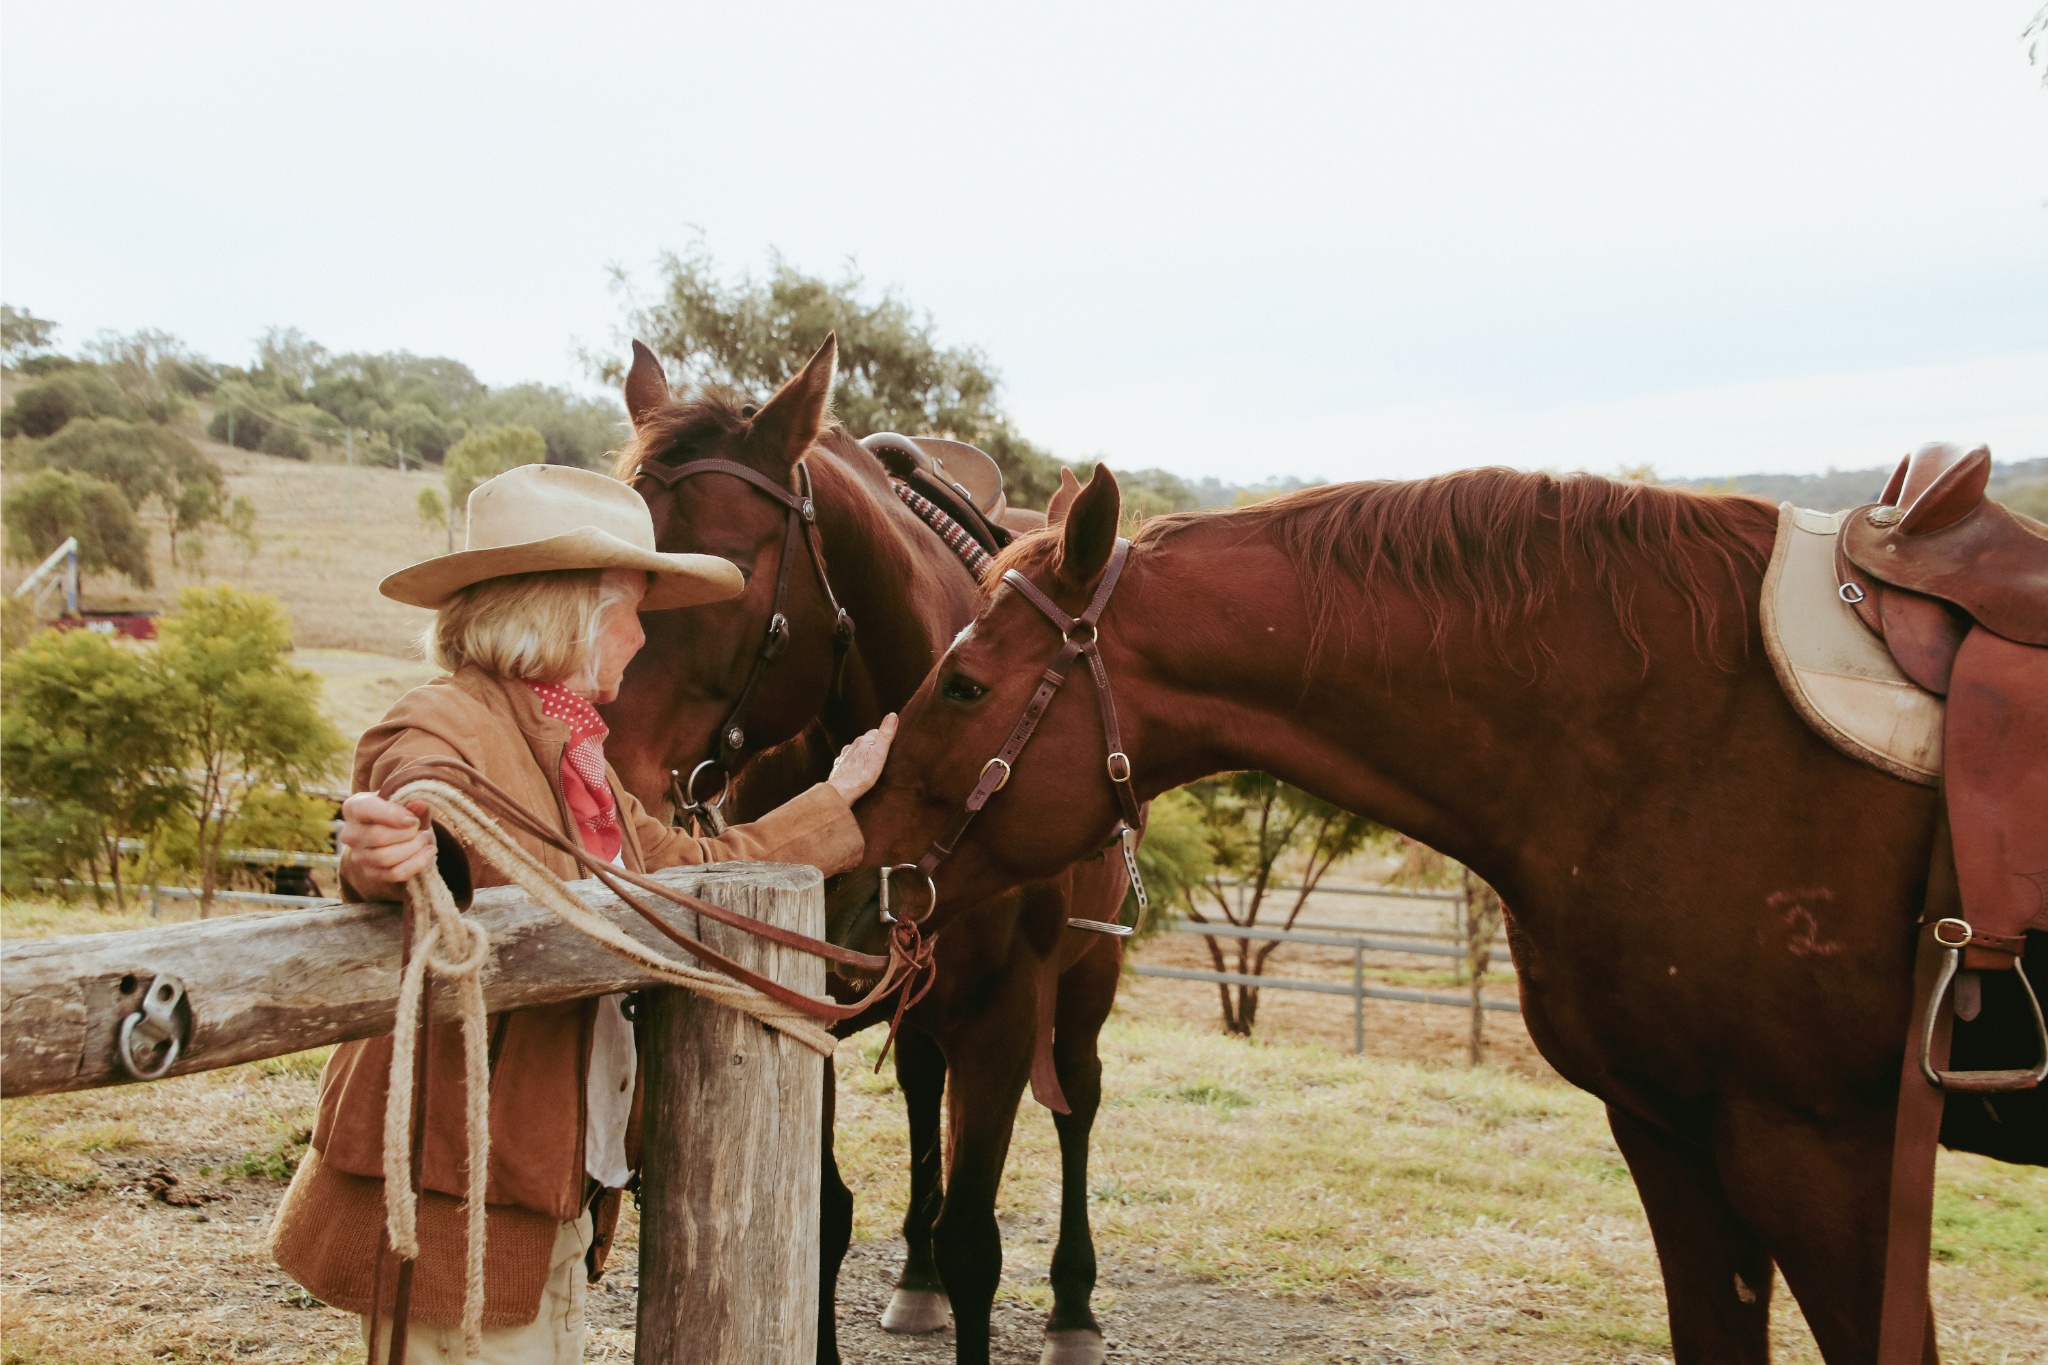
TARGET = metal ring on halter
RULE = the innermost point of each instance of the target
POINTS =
(1844, 592)
(691, 801)
(889, 915)
(997, 763)
(1081, 631)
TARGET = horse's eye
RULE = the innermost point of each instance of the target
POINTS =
(960, 687)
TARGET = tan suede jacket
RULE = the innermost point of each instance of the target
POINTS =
(327, 1227)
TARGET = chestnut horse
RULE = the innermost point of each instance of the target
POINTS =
(1561, 684)
(907, 595)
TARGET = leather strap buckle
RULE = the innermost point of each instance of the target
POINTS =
(1953, 926)
(1001, 782)
(1119, 766)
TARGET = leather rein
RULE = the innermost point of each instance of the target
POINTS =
(908, 956)
(731, 738)
(1079, 639)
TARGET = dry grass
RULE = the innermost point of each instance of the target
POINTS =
(1446, 1213)
(1422, 1210)
(1443, 1213)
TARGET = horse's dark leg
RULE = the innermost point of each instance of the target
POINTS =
(919, 1303)
(981, 1103)
(1087, 990)
(1818, 1194)
(835, 1233)
(1717, 1276)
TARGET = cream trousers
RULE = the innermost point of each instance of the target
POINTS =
(555, 1337)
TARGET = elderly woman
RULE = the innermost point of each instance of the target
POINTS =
(535, 621)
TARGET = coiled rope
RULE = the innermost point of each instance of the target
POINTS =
(454, 949)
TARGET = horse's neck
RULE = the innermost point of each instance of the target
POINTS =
(1458, 747)
(907, 594)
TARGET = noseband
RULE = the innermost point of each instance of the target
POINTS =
(1078, 640)
(803, 530)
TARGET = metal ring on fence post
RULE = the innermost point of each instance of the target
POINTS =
(154, 1025)
(888, 912)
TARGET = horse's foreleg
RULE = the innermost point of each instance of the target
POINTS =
(981, 1104)
(919, 1303)
(1717, 1275)
(1818, 1195)
(1087, 990)
(835, 1232)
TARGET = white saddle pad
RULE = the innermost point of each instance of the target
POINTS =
(1839, 675)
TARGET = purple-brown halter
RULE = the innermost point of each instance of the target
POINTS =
(1079, 640)
(803, 529)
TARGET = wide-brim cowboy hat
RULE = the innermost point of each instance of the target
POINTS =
(542, 517)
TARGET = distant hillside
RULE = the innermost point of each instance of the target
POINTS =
(2021, 483)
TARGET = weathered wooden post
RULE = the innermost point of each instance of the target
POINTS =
(731, 1129)
(730, 1151)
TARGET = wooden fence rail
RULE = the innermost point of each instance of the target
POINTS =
(729, 1226)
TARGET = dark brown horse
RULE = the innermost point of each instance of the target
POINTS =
(1560, 683)
(907, 595)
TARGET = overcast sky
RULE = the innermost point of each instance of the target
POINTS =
(1360, 240)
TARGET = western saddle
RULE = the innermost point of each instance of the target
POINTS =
(1956, 585)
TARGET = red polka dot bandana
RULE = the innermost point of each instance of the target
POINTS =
(584, 785)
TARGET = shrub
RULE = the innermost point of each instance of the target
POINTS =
(419, 431)
(247, 720)
(146, 461)
(40, 512)
(46, 406)
(484, 455)
(22, 333)
(87, 744)
(578, 431)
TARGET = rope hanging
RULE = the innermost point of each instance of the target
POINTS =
(440, 934)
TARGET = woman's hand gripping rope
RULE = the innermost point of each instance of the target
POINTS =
(441, 931)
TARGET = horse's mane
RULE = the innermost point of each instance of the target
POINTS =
(678, 432)
(1503, 545)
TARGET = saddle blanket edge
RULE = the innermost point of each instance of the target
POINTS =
(1839, 676)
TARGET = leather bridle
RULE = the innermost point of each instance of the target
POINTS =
(1079, 640)
(731, 737)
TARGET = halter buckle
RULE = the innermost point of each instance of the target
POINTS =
(1001, 782)
(1119, 766)
(882, 893)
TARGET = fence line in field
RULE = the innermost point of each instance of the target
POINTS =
(1358, 988)
(257, 857)
(183, 893)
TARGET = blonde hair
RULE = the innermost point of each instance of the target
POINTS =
(537, 627)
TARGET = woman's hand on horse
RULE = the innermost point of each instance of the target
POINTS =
(860, 762)
(383, 845)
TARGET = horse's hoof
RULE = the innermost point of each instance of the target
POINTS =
(1075, 1346)
(911, 1311)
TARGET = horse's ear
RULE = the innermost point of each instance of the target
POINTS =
(1062, 498)
(646, 385)
(792, 419)
(1088, 534)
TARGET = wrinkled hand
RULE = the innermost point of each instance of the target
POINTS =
(383, 845)
(860, 762)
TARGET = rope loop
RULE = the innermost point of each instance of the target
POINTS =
(454, 950)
